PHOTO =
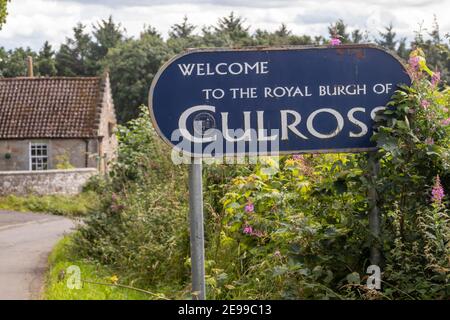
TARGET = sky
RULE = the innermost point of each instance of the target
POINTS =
(31, 22)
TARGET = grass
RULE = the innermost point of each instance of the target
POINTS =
(58, 278)
(71, 206)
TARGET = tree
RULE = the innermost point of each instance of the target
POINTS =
(388, 38)
(15, 64)
(182, 30)
(435, 33)
(318, 40)
(3, 61)
(182, 37)
(107, 35)
(151, 31)
(233, 30)
(283, 31)
(281, 36)
(46, 64)
(74, 56)
(302, 40)
(437, 52)
(211, 38)
(339, 30)
(357, 36)
(132, 65)
(401, 50)
(3, 12)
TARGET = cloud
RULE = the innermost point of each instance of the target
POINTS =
(246, 3)
(328, 16)
(31, 22)
(226, 3)
(367, 18)
(401, 3)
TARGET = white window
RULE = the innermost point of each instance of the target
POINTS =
(38, 156)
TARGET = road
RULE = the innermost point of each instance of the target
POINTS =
(26, 240)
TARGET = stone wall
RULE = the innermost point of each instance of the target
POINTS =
(45, 182)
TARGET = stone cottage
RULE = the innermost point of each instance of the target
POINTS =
(50, 124)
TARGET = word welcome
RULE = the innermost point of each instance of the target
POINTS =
(222, 69)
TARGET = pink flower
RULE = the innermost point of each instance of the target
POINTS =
(445, 109)
(429, 141)
(248, 229)
(436, 78)
(438, 191)
(335, 41)
(297, 157)
(250, 207)
(277, 254)
(414, 62)
(446, 122)
(425, 104)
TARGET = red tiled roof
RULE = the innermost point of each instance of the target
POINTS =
(56, 107)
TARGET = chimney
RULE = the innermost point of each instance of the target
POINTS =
(30, 66)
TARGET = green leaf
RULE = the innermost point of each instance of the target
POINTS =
(353, 278)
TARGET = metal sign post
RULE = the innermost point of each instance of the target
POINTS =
(374, 211)
(197, 229)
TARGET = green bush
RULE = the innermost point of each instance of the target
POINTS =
(141, 230)
(78, 205)
(63, 162)
(296, 234)
(414, 136)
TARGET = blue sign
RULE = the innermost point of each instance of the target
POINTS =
(261, 101)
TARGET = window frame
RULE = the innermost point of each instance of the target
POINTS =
(43, 146)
